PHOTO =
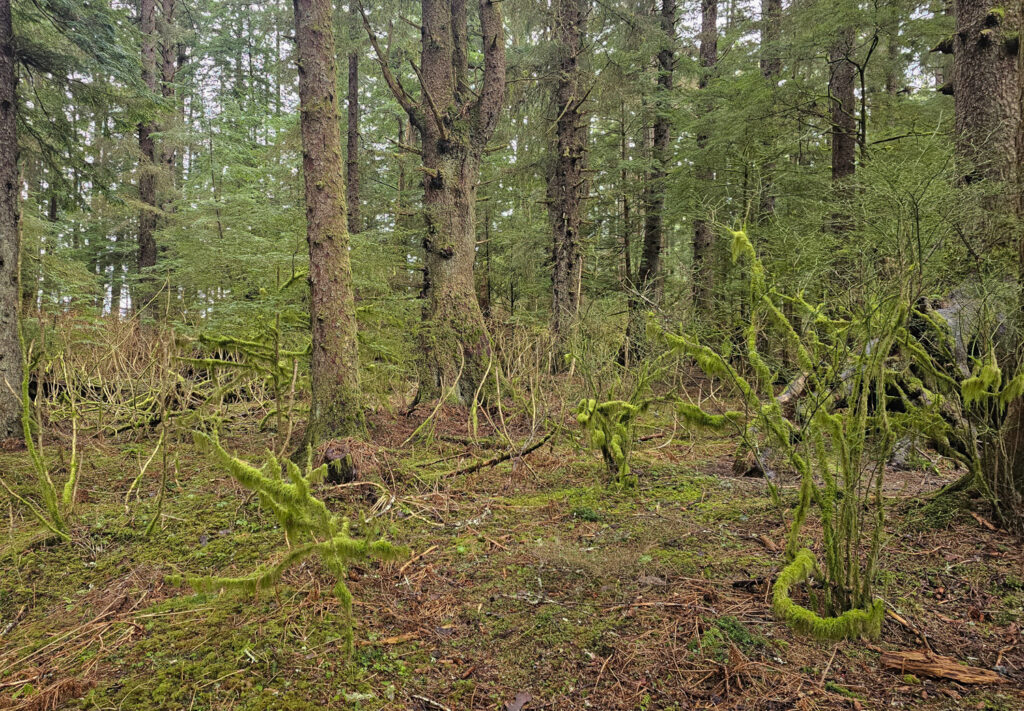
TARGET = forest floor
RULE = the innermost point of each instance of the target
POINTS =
(532, 586)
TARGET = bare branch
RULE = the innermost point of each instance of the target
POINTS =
(401, 95)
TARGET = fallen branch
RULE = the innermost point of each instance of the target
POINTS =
(935, 665)
(478, 464)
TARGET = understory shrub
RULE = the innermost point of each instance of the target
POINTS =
(309, 527)
(831, 426)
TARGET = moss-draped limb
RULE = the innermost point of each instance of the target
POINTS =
(302, 515)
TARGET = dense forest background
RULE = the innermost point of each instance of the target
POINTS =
(742, 279)
(749, 102)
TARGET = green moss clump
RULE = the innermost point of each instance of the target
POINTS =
(610, 426)
(849, 625)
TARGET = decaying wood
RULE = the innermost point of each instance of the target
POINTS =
(483, 464)
(935, 665)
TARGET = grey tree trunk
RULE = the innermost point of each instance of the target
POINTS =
(986, 90)
(842, 73)
(771, 68)
(355, 224)
(147, 159)
(10, 237)
(985, 86)
(336, 408)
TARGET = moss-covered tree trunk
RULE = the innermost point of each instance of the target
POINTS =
(336, 408)
(10, 236)
(567, 172)
(455, 122)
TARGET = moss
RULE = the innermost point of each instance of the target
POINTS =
(740, 635)
(849, 625)
(611, 428)
(301, 515)
(841, 690)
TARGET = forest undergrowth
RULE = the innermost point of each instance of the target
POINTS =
(531, 581)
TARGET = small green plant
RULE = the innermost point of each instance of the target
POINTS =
(609, 422)
(611, 428)
(976, 419)
(57, 505)
(310, 528)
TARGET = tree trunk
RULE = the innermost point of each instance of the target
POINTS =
(455, 121)
(567, 175)
(986, 91)
(842, 73)
(987, 112)
(703, 235)
(147, 159)
(10, 237)
(647, 289)
(336, 409)
(355, 225)
(168, 71)
(771, 68)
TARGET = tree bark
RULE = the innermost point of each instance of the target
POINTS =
(147, 158)
(771, 68)
(567, 173)
(336, 408)
(985, 84)
(455, 121)
(10, 237)
(703, 235)
(169, 55)
(355, 225)
(842, 73)
(986, 90)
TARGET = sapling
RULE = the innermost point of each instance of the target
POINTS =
(58, 505)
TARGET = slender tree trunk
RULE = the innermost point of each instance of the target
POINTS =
(627, 240)
(147, 158)
(567, 173)
(10, 237)
(646, 294)
(703, 234)
(336, 409)
(355, 225)
(455, 121)
(842, 106)
(771, 68)
(168, 71)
